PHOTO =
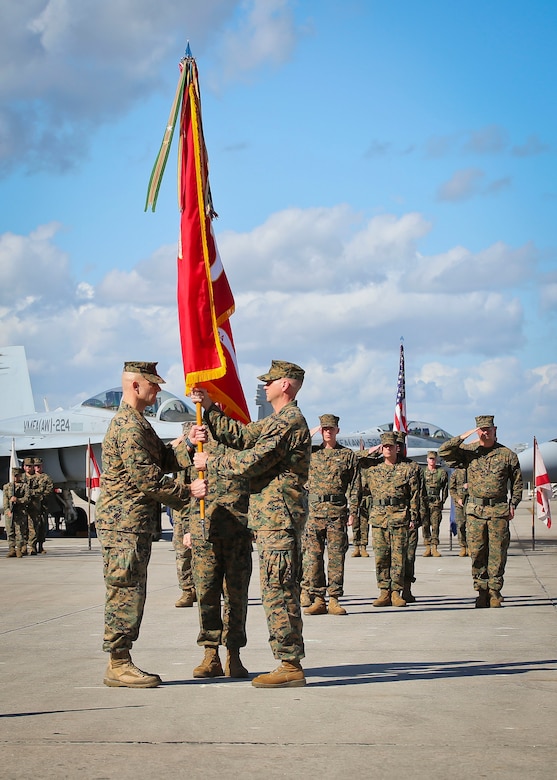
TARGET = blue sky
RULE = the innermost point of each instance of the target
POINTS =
(379, 169)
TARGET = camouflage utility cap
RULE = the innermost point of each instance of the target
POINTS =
(388, 438)
(17, 471)
(484, 421)
(38, 462)
(329, 421)
(432, 454)
(29, 461)
(400, 437)
(280, 369)
(148, 370)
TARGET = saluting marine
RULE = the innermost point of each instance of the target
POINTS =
(492, 470)
(394, 506)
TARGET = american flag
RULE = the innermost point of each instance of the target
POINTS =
(401, 423)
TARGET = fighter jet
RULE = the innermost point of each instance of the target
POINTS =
(548, 451)
(60, 437)
(422, 437)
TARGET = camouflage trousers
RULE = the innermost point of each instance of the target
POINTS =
(222, 567)
(460, 520)
(321, 532)
(410, 565)
(183, 555)
(390, 547)
(430, 528)
(125, 560)
(488, 541)
(279, 564)
(16, 529)
(360, 529)
(42, 528)
(33, 524)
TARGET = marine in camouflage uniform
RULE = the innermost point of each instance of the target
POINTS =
(423, 517)
(437, 487)
(44, 489)
(16, 498)
(334, 488)
(133, 487)
(33, 504)
(366, 459)
(222, 564)
(492, 470)
(180, 525)
(458, 491)
(394, 503)
(274, 454)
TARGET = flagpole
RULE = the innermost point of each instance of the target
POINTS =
(200, 474)
(88, 485)
(534, 495)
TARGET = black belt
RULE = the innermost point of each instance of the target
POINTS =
(487, 501)
(329, 497)
(388, 502)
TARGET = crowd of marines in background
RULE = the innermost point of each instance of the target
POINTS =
(265, 482)
(25, 508)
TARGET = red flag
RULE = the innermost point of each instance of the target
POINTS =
(92, 475)
(400, 422)
(205, 300)
(542, 487)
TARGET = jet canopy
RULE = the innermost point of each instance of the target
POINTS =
(424, 430)
(167, 407)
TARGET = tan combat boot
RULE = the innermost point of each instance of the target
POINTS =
(482, 600)
(495, 598)
(462, 553)
(233, 666)
(356, 553)
(318, 607)
(335, 608)
(187, 599)
(23, 550)
(288, 675)
(305, 599)
(384, 599)
(396, 599)
(12, 553)
(427, 553)
(364, 552)
(210, 666)
(121, 672)
(19, 553)
(407, 594)
(435, 552)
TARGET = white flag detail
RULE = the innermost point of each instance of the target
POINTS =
(92, 475)
(542, 487)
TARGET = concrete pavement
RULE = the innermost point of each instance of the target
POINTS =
(435, 690)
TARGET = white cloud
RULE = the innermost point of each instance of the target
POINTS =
(462, 185)
(353, 287)
(68, 67)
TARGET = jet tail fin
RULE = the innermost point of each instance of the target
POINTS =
(16, 395)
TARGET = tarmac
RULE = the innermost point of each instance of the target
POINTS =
(434, 690)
